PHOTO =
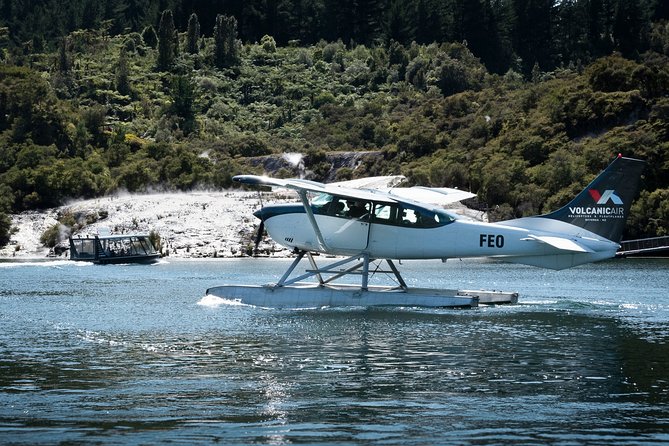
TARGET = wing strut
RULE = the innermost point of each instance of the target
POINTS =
(312, 219)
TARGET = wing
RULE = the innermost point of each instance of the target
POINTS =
(313, 186)
(440, 196)
(371, 189)
(376, 183)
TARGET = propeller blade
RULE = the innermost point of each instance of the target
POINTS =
(261, 229)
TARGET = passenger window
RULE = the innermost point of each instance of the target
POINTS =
(384, 213)
(444, 218)
(409, 217)
(419, 218)
(335, 207)
(427, 219)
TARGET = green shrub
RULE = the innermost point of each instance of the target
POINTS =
(51, 236)
(154, 238)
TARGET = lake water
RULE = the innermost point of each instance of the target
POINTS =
(129, 355)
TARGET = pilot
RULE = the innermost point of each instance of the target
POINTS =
(356, 209)
(335, 207)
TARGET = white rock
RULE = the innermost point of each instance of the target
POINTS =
(196, 224)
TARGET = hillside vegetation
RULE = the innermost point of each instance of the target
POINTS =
(170, 109)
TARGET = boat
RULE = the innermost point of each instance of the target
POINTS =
(110, 249)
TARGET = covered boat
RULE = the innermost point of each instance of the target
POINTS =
(125, 248)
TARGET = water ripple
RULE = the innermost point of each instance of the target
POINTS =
(127, 356)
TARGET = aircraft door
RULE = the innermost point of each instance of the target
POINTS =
(349, 229)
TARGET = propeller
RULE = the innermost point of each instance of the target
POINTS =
(261, 229)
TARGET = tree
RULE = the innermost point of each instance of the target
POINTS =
(226, 47)
(598, 32)
(90, 16)
(193, 34)
(339, 15)
(150, 37)
(182, 93)
(398, 25)
(268, 44)
(64, 62)
(533, 33)
(499, 57)
(300, 20)
(628, 27)
(123, 73)
(130, 14)
(428, 28)
(166, 41)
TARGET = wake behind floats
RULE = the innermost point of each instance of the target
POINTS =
(366, 224)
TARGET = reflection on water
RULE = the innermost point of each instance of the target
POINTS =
(125, 355)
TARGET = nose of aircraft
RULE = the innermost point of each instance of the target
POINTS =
(273, 210)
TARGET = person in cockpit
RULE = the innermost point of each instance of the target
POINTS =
(356, 209)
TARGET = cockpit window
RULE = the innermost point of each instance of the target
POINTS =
(399, 214)
(325, 204)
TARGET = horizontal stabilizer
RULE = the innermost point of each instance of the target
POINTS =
(560, 261)
(560, 243)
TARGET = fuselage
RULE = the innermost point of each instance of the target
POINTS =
(403, 231)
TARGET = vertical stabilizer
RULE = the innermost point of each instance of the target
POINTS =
(604, 205)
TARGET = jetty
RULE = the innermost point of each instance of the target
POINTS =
(646, 247)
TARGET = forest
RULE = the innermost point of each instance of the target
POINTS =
(519, 101)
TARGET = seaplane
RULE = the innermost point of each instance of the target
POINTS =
(368, 225)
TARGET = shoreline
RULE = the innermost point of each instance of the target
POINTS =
(190, 225)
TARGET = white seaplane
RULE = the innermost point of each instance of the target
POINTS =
(368, 226)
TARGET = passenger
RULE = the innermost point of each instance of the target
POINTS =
(404, 220)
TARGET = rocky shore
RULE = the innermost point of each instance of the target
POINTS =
(190, 225)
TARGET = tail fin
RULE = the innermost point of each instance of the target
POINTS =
(603, 206)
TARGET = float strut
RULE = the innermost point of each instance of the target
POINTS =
(292, 266)
(365, 271)
(315, 267)
(397, 274)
